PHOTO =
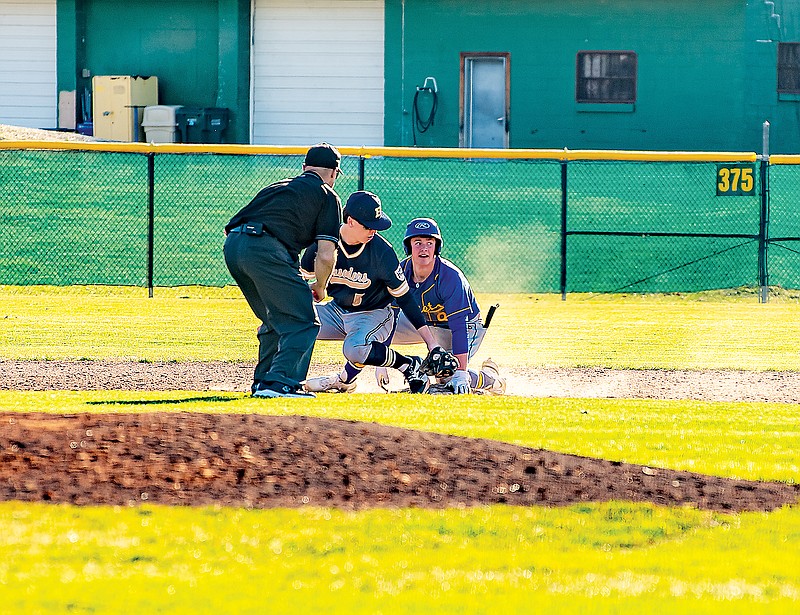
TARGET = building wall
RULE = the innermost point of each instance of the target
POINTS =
(770, 23)
(198, 49)
(703, 81)
(28, 63)
(707, 76)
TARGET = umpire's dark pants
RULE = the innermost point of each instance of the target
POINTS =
(269, 278)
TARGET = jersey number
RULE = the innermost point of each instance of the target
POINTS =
(357, 297)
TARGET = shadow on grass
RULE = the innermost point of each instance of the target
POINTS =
(150, 402)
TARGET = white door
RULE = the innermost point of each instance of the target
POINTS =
(28, 63)
(317, 72)
(485, 105)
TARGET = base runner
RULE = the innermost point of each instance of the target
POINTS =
(445, 298)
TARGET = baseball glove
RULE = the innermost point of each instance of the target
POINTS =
(439, 363)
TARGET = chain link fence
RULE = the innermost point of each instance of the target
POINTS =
(784, 223)
(535, 221)
(658, 227)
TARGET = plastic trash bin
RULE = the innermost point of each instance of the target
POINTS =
(85, 128)
(202, 124)
(215, 121)
(189, 123)
(160, 123)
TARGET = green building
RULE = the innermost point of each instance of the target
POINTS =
(596, 74)
(619, 74)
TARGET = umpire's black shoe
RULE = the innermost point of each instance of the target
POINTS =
(417, 381)
(276, 389)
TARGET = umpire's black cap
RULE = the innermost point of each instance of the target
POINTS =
(365, 207)
(323, 155)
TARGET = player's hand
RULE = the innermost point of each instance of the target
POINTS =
(318, 293)
(460, 382)
(382, 376)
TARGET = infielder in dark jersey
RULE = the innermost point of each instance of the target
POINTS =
(445, 297)
(366, 278)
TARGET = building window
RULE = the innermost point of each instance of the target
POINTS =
(606, 77)
(789, 68)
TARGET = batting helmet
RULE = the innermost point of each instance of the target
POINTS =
(422, 227)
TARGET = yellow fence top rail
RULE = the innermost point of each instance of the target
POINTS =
(784, 159)
(398, 152)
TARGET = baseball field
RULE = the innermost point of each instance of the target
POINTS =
(645, 459)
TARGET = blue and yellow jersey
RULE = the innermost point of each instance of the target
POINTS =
(446, 299)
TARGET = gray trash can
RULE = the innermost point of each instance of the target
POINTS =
(160, 123)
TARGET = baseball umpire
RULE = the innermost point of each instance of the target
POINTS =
(444, 296)
(366, 278)
(262, 252)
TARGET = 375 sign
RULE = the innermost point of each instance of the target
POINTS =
(736, 179)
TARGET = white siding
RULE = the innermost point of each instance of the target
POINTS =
(28, 63)
(318, 72)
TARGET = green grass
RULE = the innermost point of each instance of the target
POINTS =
(596, 558)
(699, 331)
(605, 558)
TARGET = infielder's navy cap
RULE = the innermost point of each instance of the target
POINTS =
(323, 155)
(365, 207)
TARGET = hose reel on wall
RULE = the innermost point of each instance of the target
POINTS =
(418, 123)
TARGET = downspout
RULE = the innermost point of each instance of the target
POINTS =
(403, 112)
(251, 103)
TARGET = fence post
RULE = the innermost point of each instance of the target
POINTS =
(563, 230)
(361, 172)
(763, 226)
(150, 220)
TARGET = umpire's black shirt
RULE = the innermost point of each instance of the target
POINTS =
(295, 211)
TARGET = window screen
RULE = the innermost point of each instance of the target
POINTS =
(789, 68)
(606, 77)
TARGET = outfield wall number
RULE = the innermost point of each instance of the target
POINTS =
(735, 179)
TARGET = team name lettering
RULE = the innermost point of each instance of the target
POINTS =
(351, 278)
(434, 312)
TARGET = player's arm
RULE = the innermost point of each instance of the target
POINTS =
(458, 327)
(405, 268)
(410, 308)
(453, 290)
(328, 223)
(323, 268)
(307, 263)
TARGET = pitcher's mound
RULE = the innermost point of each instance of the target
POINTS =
(267, 461)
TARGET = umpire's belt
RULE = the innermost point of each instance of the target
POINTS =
(258, 229)
(251, 228)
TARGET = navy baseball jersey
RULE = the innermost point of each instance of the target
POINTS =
(446, 299)
(365, 277)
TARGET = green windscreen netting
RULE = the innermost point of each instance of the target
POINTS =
(83, 217)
